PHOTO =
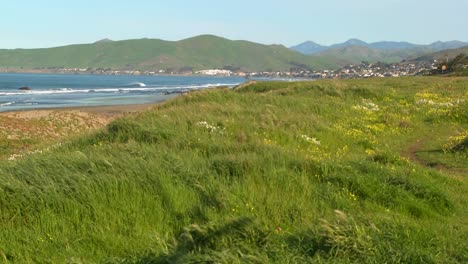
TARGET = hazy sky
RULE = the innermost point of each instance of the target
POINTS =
(46, 23)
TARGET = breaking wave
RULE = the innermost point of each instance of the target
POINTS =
(136, 84)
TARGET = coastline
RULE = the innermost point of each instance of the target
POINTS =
(68, 91)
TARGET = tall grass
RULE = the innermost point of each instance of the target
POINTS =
(270, 173)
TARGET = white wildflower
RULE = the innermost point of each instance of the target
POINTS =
(425, 101)
(210, 127)
(367, 105)
(310, 139)
(440, 104)
(14, 157)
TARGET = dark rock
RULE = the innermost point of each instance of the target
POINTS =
(25, 88)
(176, 92)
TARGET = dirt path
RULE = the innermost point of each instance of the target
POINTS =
(411, 153)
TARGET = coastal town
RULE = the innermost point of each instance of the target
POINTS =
(352, 71)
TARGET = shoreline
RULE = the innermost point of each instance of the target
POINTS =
(110, 108)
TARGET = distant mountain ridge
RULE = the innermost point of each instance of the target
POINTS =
(357, 54)
(354, 51)
(310, 47)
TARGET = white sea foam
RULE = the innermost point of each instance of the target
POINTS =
(142, 88)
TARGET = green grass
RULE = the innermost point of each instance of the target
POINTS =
(269, 173)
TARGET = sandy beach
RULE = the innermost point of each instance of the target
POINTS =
(100, 112)
(27, 130)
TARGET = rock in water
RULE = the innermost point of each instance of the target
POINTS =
(25, 88)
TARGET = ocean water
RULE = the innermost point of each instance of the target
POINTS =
(69, 90)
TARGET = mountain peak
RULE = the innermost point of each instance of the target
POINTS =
(309, 43)
(355, 42)
(106, 40)
(308, 47)
(205, 37)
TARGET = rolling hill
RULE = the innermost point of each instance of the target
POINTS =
(201, 52)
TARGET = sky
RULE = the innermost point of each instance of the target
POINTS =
(48, 23)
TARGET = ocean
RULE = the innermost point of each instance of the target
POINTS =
(70, 90)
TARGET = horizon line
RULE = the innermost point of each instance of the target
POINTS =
(213, 35)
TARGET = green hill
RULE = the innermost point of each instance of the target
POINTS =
(202, 52)
(330, 171)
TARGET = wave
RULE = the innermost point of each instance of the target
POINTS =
(140, 88)
(135, 84)
(7, 104)
(15, 104)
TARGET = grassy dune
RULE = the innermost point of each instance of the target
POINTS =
(23, 132)
(326, 172)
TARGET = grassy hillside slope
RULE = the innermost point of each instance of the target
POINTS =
(356, 171)
(442, 55)
(357, 54)
(202, 52)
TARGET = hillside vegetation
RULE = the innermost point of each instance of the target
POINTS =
(457, 66)
(202, 52)
(442, 56)
(355, 171)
